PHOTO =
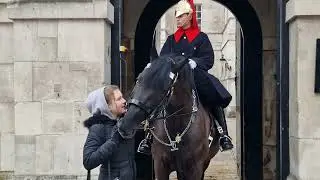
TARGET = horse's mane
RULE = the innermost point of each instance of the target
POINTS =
(158, 74)
(186, 77)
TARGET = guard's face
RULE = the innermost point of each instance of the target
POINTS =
(184, 20)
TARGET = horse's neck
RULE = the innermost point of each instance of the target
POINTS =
(181, 105)
(182, 96)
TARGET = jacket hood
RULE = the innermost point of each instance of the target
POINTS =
(97, 104)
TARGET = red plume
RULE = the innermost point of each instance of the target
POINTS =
(194, 15)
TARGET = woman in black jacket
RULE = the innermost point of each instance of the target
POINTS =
(104, 146)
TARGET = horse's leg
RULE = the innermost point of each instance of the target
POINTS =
(194, 177)
(202, 178)
(195, 172)
(205, 167)
(179, 176)
(162, 171)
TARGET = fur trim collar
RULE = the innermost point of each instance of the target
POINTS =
(98, 119)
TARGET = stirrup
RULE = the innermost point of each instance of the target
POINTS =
(220, 130)
(224, 136)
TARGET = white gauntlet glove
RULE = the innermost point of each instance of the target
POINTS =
(192, 64)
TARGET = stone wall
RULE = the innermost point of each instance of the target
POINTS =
(227, 68)
(303, 18)
(7, 126)
(55, 54)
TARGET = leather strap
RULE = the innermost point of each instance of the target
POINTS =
(140, 105)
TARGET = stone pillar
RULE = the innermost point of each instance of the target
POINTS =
(239, 128)
(267, 13)
(6, 94)
(303, 17)
(61, 52)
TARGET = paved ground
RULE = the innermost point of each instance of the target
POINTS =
(223, 166)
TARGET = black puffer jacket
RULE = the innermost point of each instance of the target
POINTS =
(115, 157)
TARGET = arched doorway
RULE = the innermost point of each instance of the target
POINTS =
(250, 76)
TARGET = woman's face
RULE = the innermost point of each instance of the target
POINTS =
(118, 104)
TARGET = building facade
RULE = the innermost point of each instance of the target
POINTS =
(52, 53)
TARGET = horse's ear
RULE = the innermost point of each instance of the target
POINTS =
(179, 63)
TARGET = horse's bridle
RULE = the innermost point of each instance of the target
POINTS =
(154, 111)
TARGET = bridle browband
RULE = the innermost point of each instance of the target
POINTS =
(154, 110)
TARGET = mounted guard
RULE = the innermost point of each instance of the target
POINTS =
(190, 42)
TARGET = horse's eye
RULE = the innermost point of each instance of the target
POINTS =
(138, 80)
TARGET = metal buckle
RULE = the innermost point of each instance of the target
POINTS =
(210, 140)
(220, 130)
(174, 146)
(148, 136)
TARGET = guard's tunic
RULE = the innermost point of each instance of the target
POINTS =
(211, 91)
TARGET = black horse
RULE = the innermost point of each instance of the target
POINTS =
(165, 96)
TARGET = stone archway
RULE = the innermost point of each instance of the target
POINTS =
(250, 76)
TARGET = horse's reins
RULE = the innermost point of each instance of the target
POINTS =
(178, 138)
(153, 114)
(171, 115)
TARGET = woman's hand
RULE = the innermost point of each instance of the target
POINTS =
(115, 135)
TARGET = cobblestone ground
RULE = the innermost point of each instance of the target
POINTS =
(223, 166)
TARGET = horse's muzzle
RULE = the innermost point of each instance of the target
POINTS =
(130, 121)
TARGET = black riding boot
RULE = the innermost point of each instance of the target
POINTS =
(225, 140)
(145, 145)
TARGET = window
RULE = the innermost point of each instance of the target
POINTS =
(198, 14)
